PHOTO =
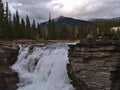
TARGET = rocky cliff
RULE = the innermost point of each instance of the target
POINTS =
(95, 64)
(8, 56)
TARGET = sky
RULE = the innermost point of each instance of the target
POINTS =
(79, 9)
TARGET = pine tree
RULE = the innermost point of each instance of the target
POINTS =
(49, 28)
(16, 26)
(28, 28)
(1, 18)
(9, 25)
(33, 31)
(53, 34)
(6, 12)
(63, 32)
(33, 25)
(6, 31)
(22, 29)
(39, 32)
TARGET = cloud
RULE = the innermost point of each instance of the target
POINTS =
(36, 9)
(81, 9)
(101, 9)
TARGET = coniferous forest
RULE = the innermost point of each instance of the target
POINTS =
(12, 27)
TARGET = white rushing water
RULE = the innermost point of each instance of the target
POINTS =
(43, 68)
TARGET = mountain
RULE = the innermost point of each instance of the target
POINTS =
(104, 19)
(60, 21)
(98, 19)
(118, 18)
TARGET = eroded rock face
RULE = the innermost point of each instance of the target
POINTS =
(95, 65)
(8, 56)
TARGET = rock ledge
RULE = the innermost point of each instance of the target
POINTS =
(95, 64)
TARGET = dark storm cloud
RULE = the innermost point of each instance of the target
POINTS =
(40, 9)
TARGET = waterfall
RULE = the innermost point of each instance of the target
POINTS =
(43, 68)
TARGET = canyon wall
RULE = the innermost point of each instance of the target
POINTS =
(8, 56)
(95, 64)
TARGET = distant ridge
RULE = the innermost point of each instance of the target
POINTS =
(60, 21)
(104, 19)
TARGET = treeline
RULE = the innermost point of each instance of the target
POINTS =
(13, 27)
(70, 32)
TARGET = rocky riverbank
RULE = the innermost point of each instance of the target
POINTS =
(95, 64)
(8, 56)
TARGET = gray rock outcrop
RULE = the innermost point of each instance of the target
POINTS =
(95, 64)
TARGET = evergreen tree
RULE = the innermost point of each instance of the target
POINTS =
(63, 32)
(17, 25)
(34, 25)
(33, 31)
(6, 24)
(28, 28)
(9, 26)
(1, 18)
(22, 29)
(49, 28)
(6, 12)
(53, 34)
(39, 32)
(14, 28)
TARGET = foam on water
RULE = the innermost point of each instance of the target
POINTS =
(43, 68)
